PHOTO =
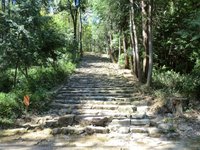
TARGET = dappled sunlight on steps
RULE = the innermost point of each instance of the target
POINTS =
(99, 107)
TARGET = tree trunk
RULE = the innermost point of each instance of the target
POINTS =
(137, 57)
(3, 5)
(145, 37)
(119, 51)
(74, 20)
(15, 75)
(125, 52)
(150, 43)
(110, 49)
(133, 68)
(80, 33)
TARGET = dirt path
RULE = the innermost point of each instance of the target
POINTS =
(99, 108)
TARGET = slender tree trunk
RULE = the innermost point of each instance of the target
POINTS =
(150, 43)
(137, 57)
(134, 67)
(74, 20)
(145, 36)
(80, 33)
(125, 52)
(15, 75)
(119, 51)
(110, 50)
(3, 5)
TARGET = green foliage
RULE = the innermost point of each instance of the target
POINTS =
(121, 60)
(9, 105)
(173, 83)
(35, 56)
(177, 35)
(41, 81)
(5, 82)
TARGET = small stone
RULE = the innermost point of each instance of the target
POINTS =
(122, 122)
(93, 129)
(172, 135)
(66, 120)
(96, 121)
(72, 130)
(65, 111)
(113, 128)
(127, 109)
(184, 127)
(154, 132)
(123, 130)
(138, 130)
(51, 123)
(140, 121)
(56, 131)
(166, 127)
(139, 116)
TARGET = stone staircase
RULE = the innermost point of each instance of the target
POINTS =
(100, 107)
(95, 100)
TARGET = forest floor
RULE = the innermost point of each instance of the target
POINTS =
(102, 107)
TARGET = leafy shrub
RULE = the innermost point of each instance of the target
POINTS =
(172, 82)
(40, 100)
(9, 106)
(6, 82)
(122, 60)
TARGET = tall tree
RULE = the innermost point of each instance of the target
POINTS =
(135, 42)
(74, 15)
(150, 43)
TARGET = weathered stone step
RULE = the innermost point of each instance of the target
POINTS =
(100, 81)
(102, 112)
(100, 98)
(78, 77)
(90, 89)
(129, 122)
(103, 98)
(79, 130)
(99, 95)
(83, 120)
(128, 129)
(61, 101)
(97, 112)
(92, 106)
(79, 91)
(106, 102)
(96, 86)
(93, 120)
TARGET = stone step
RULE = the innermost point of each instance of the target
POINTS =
(106, 102)
(101, 98)
(83, 91)
(77, 130)
(61, 101)
(96, 86)
(97, 81)
(92, 106)
(129, 122)
(124, 88)
(93, 120)
(68, 130)
(83, 120)
(99, 95)
(128, 129)
(97, 112)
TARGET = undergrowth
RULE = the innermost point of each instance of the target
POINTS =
(167, 83)
(38, 86)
